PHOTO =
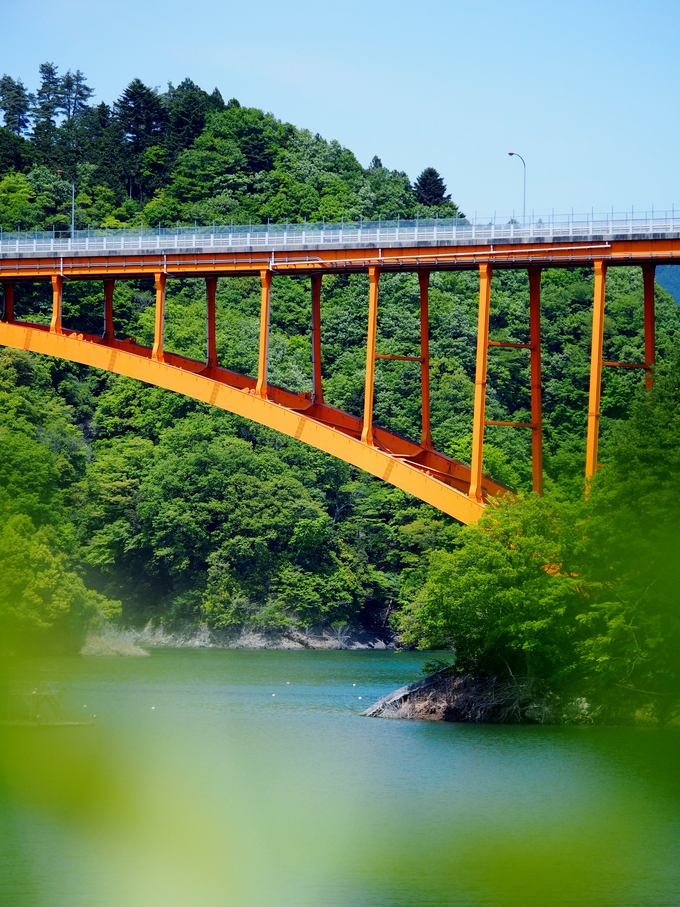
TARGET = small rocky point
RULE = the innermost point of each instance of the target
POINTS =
(448, 696)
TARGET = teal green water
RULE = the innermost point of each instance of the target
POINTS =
(248, 778)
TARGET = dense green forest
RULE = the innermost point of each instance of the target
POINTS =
(127, 500)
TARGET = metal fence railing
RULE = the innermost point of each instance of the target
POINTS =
(383, 234)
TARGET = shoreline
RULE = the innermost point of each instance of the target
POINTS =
(128, 642)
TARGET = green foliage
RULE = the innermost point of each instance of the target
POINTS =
(582, 594)
(43, 601)
(182, 156)
(203, 524)
(14, 103)
(437, 666)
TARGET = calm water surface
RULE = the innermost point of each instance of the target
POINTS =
(248, 779)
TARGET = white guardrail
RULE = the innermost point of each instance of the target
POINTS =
(383, 234)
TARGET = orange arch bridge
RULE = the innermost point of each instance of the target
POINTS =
(452, 486)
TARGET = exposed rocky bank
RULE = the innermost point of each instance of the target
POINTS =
(115, 641)
(447, 696)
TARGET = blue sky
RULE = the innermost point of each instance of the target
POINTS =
(587, 92)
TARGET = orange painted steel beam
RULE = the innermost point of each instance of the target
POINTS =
(202, 263)
(8, 292)
(512, 424)
(624, 364)
(371, 336)
(317, 386)
(211, 342)
(426, 432)
(432, 477)
(399, 358)
(536, 382)
(477, 460)
(534, 347)
(159, 321)
(648, 271)
(513, 346)
(265, 310)
(109, 285)
(595, 390)
(57, 300)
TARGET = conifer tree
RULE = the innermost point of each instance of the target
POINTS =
(45, 111)
(142, 115)
(430, 188)
(73, 95)
(14, 102)
(188, 108)
(47, 99)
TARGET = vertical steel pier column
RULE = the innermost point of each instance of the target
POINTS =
(480, 383)
(8, 313)
(536, 394)
(211, 289)
(369, 388)
(266, 284)
(648, 272)
(157, 351)
(57, 298)
(596, 368)
(424, 281)
(109, 285)
(317, 388)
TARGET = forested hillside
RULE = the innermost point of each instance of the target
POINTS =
(184, 513)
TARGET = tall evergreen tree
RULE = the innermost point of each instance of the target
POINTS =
(142, 115)
(188, 109)
(103, 146)
(143, 118)
(430, 188)
(74, 94)
(15, 151)
(48, 96)
(45, 112)
(15, 102)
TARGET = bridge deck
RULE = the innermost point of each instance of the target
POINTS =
(281, 239)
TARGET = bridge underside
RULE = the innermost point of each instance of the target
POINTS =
(451, 486)
(433, 477)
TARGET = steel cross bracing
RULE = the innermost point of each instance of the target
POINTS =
(208, 253)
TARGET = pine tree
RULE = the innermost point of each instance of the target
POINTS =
(15, 152)
(430, 188)
(14, 102)
(48, 97)
(103, 147)
(142, 115)
(73, 95)
(188, 108)
(44, 112)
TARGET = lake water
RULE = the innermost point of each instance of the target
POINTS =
(223, 778)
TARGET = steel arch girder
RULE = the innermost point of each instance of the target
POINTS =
(243, 402)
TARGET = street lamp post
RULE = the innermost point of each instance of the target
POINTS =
(524, 197)
(73, 200)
